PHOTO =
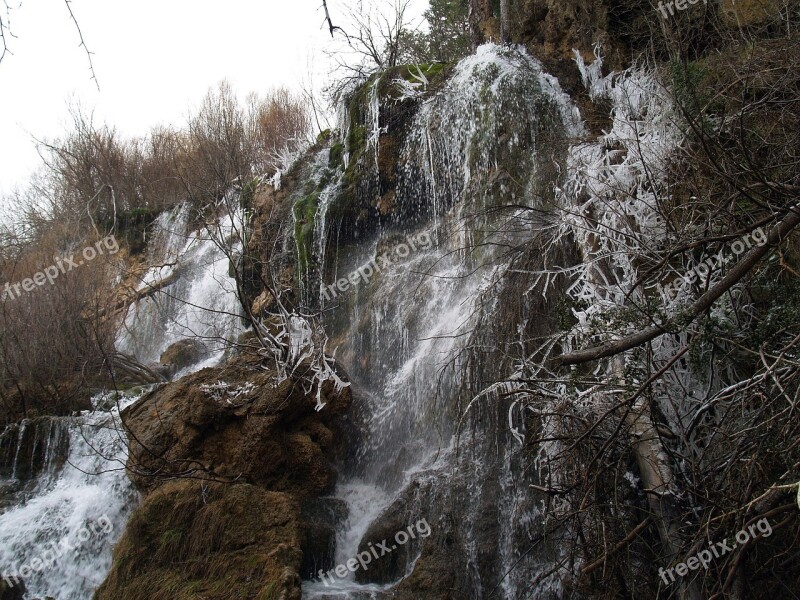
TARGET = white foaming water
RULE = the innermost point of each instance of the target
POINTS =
(407, 331)
(71, 513)
(66, 493)
(201, 303)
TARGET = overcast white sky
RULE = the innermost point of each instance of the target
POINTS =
(153, 59)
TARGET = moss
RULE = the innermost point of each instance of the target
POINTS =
(356, 141)
(336, 156)
(434, 72)
(304, 211)
(324, 137)
(430, 70)
(366, 181)
(271, 592)
(248, 193)
(193, 540)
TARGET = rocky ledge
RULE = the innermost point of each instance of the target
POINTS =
(234, 469)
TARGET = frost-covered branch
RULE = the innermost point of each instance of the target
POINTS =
(776, 236)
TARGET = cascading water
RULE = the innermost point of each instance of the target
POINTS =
(64, 494)
(65, 499)
(489, 138)
(196, 297)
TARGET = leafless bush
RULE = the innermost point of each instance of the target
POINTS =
(53, 339)
(58, 339)
(373, 36)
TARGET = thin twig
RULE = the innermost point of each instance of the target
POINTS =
(83, 43)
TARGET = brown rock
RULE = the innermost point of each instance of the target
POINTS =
(192, 539)
(232, 424)
(184, 353)
(228, 460)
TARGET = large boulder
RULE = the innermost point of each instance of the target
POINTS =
(234, 466)
(234, 424)
(208, 540)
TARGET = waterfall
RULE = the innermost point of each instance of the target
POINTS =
(197, 298)
(490, 137)
(65, 499)
(64, 494)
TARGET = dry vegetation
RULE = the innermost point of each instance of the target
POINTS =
(55, 341)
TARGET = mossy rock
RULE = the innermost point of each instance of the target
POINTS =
(305, 211)
(248, 193)
(193, 540)
(368, 183)
(336, 157)
(434, 73)
(130, 226)
(324, 137)
(184, 353)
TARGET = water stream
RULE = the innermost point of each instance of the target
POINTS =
(412, 337)
(64, 494)
(65, 499)
(199, 301)
(486, 139)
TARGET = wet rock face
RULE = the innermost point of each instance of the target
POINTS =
(379, 114)
(230, 424)
(184, 353)
(8, 592)
(191, 539)
(559, 26)
(322, 517)
(233, 468)
(33, 446)
(434, 558)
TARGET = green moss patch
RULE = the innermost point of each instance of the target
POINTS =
(304, 211)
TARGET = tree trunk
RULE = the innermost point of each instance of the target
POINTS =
(776, 235)
(505, 21)
(480, 11)
(658, 479)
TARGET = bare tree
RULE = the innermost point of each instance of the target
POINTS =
(374, 38)
(675, 364)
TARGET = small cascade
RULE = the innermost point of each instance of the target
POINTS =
(498, 114)
(64, 494)
(64, 502)
(196, 295)
(33, 449)
(309, 214)
(321, 234)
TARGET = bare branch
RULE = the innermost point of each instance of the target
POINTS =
(83, 43)
(702, 304)
(333, 28)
